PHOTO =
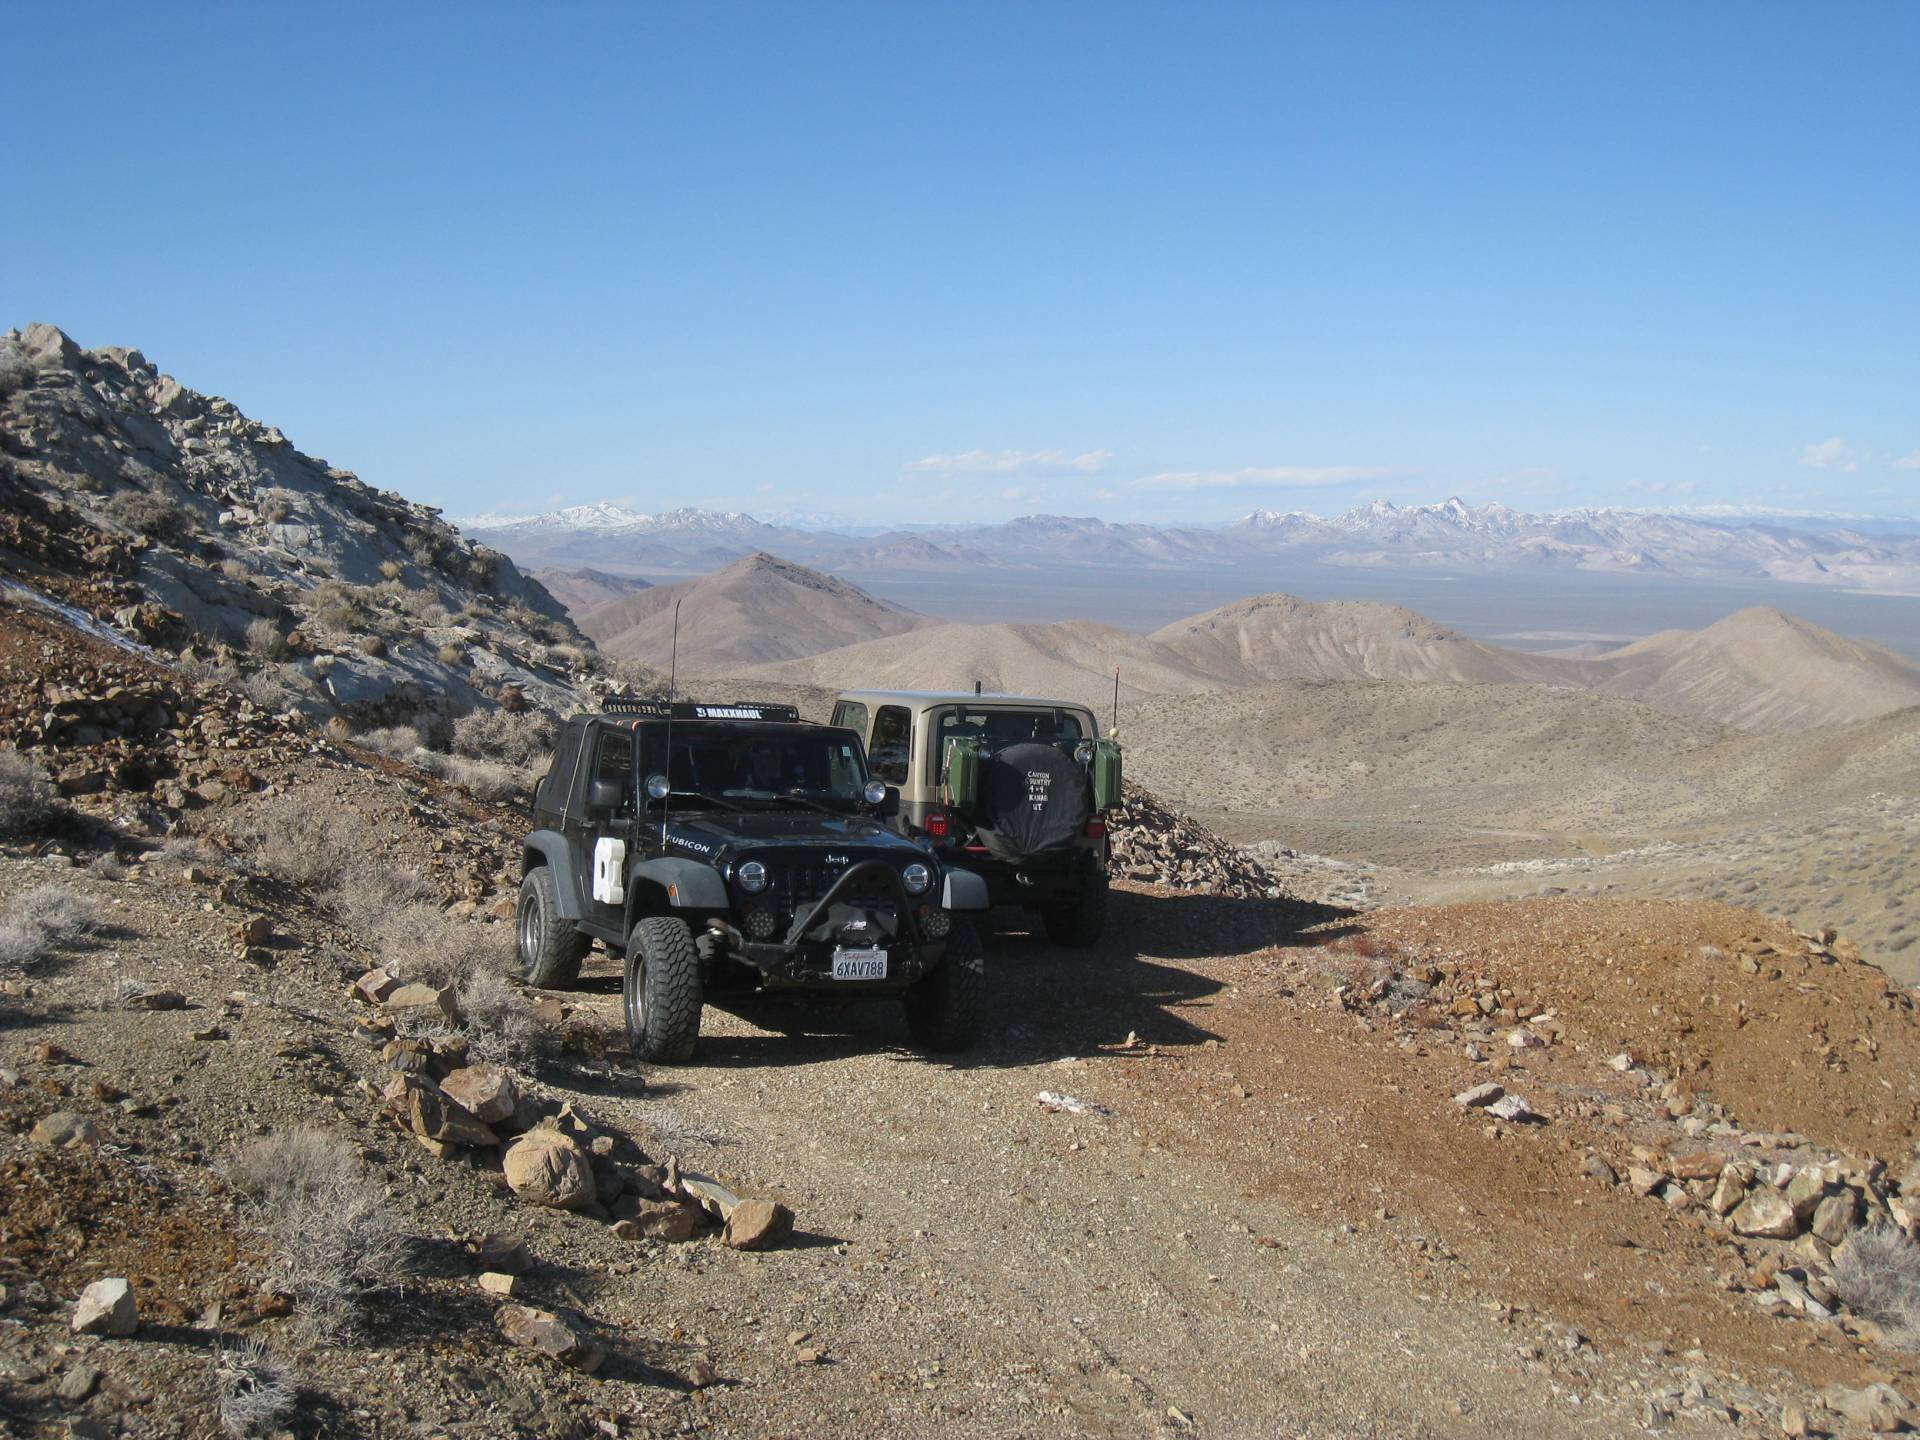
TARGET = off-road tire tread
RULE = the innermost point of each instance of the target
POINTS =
(1081, 921)
(943, 1009)
(555, 961)
(663, 948)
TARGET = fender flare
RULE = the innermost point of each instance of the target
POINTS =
(550, 848)
(669, 882)
(964, 890)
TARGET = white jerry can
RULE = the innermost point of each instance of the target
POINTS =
(610, 871)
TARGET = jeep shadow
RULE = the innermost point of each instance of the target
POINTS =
(1043, 1001)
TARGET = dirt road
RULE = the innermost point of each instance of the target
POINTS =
(978, 1262)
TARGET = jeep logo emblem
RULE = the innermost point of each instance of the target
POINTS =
(836, 859)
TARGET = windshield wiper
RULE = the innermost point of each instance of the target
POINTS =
(700, 795)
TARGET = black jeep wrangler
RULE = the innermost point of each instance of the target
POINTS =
(727, 847)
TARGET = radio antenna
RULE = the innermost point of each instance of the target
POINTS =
(673, 681)
(1116, 700)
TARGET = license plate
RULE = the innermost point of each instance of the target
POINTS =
(870, 964)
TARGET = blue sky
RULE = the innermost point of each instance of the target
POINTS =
(944, 261)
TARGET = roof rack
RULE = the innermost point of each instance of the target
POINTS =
(650, 707)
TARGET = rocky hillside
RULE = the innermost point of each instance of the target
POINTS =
(187, 526)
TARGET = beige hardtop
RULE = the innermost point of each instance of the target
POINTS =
(923, 700)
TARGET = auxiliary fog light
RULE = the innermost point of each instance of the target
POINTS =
(760, 925)
(937, 924)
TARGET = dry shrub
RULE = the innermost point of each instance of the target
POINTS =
(57, 917)
(422, 943)
(396, 742)
(17, 372)
(265, 641)
(485, 779)
(373, 645)
(392, 569)
(453, 654)
(20, 945)
(498, 1025)
(1877, 1273)
(308, 842)
(517, 739)
(159, 517)
(334, 1241)
(26, 795)
(639, 678)
(252, 1392)
(236, 570)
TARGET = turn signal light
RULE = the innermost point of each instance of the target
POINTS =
(936, 824)
(1096, 829)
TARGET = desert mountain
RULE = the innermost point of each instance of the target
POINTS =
(1761, 670)
(1450, 536)
(1071, 659)
(588, 589)
(1267, 638)
(191, 527)
(758, 609)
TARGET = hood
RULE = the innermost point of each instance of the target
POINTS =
(709, 833)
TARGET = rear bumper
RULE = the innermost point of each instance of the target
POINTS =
(1038, 880)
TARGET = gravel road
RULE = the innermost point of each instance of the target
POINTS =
(977, 1262)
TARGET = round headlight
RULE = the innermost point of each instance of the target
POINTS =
(916, 878)
(752, 877)
(1083, 752)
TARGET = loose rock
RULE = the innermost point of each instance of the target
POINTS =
(548, 1168)
(106, 1307)
(757, 1225)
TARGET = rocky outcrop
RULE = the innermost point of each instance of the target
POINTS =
(182, 523)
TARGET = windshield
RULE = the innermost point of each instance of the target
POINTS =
(746, 767)
(1000, 727)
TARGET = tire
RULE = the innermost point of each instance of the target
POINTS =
(943, 1010)
(551, 950)
(1081, 921)
(662, 993)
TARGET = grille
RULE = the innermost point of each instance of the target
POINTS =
(799, 885)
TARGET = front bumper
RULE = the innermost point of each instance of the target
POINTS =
(867, 907)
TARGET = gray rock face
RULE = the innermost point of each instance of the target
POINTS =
(227, 524)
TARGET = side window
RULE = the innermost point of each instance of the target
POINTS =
(614, 761)
(559, 777)
(892, 744)
(852, 714)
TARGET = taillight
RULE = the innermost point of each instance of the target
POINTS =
(936, 824)
(1096, 828)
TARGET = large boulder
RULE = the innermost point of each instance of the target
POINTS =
(548, 1168)
(1765, 1214)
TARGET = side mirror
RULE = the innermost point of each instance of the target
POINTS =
(604, 796)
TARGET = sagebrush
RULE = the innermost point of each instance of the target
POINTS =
(26, 795)
(252, 1392)
(334, 1241)
(1877, 1273)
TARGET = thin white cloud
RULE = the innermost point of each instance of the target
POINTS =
(1288, 477)
(1908, 462)
(1014, 462)
(1831, 454)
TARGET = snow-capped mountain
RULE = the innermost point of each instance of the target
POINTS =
(1449, 536)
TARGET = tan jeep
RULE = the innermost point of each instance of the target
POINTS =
(1012, 787)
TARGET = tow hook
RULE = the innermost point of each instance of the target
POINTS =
(718, 939)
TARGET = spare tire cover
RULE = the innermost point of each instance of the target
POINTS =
(1033, 798)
